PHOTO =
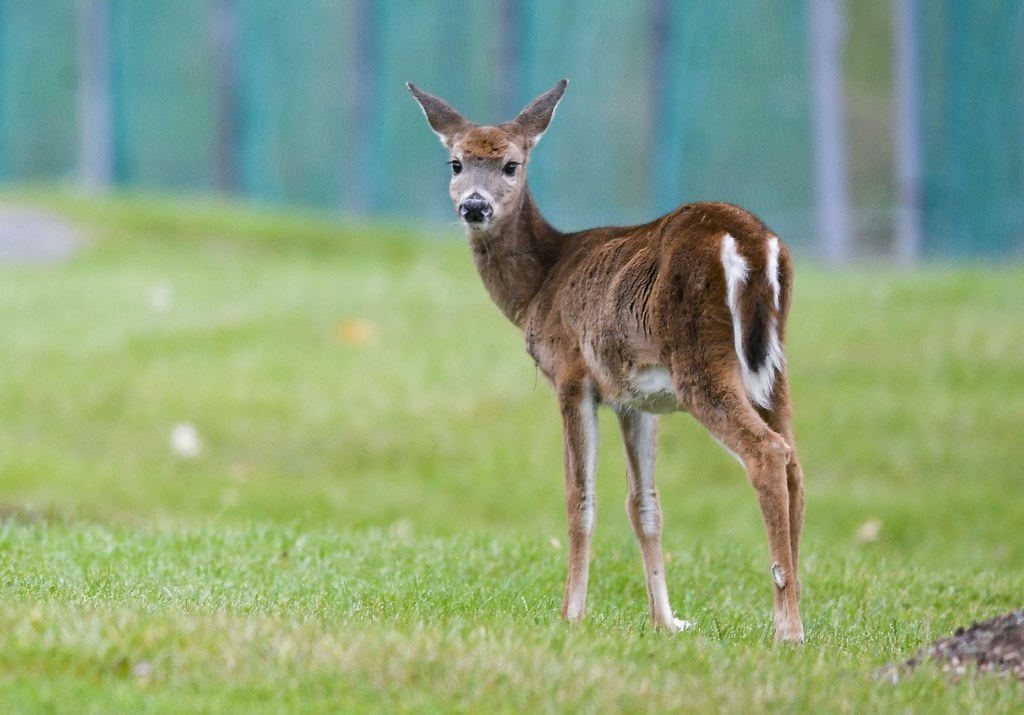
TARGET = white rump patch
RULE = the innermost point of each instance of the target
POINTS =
(758, 383)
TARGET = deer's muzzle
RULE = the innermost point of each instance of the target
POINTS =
(475, 209)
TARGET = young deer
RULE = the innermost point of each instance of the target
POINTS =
(686, 312)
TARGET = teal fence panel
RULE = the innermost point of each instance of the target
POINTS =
(593, 164)
(668, 102)
(972, 91)
(449, 49)
(734, 114)
(162, 94)
(295, 113)
(38, 81)
(314, 108)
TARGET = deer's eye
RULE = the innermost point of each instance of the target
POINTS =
(456, 166)
(510, 168)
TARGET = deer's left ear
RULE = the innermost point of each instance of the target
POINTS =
(442, 117)
(533, 121)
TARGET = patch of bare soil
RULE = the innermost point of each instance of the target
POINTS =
(992, 646)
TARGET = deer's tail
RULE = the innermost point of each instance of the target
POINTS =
(758, 304)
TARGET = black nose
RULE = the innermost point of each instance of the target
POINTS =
(475, 209)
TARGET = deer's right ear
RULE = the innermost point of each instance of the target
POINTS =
(442, 117)
(533, 121)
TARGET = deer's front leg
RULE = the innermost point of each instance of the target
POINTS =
(579, 422)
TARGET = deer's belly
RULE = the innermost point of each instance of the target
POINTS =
(648, 389)
(619, 383)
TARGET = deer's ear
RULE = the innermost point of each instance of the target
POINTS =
(442, 117)
(533, 121)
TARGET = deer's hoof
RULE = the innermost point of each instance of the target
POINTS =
(676, 625)
(790, 633)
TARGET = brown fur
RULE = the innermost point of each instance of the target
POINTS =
(601, 306)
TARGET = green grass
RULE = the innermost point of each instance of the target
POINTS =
(375, 521)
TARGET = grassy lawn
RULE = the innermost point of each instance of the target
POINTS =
(374, 518)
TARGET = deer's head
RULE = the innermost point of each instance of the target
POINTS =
(488, 182)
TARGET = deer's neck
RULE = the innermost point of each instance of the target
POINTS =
(514, 258)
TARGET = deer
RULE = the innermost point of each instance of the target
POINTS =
(686, 313)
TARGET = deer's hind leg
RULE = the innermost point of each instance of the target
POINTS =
(639, 436)
(780, 419)
(723, 408)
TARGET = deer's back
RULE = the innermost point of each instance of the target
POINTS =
(622, 303)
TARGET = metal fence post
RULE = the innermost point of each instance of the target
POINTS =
(4, 90)
(364, 78)
(906, 138)
(223, 30)
(94, 108)
(510, 16)
(826, 28)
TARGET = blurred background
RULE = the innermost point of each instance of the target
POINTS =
(891, 130)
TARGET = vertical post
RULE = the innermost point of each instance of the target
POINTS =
(826, 29)
(510, 38)
(3, 93)
(659, 27)
(363, 196)
(907, 139)
(224, 40)
(95, 137)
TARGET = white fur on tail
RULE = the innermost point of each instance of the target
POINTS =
(758, 383)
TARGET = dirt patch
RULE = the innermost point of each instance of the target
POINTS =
(34, 236)
(992, 646)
